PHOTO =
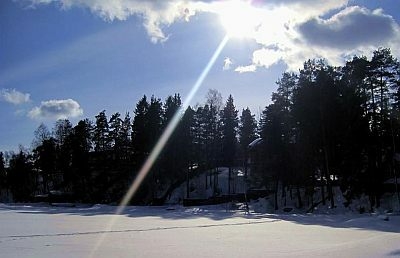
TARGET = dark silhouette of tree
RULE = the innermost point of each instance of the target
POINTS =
(140, 134)
(171, 159)
(186, 138)
(199, 139)
(40, 134)
(229, 136)
(62, 130)
(125, 137)
(214, 99)
(146, 130)
(274, 165)
(21, 177)
(3, 175)
(45, 162)
(325, 126)
(155, 116)
(208, 141)
(62, 136)
(278, 128)
(247, 134)
(119, 134)
(115, 132)
(382, 75)
(354, 127)
(383, 78)
(101, 137)
(79, 180)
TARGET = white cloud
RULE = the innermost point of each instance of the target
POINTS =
(266, 57)
(13, 96)
(296, 30)
(350, 28)
(246, 69)
(293, 35)
(56, 109)
(227, 64)
(156, 13)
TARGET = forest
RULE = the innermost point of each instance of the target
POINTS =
(325, 126)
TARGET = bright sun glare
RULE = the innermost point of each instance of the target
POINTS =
(239, 18)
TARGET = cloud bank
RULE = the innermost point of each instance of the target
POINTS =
(56, 109)
(350, 28)
(290, 31)
(156, 14)
(13, 96)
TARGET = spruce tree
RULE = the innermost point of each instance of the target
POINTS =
(21, 177)
(229, 136)
(3, 182)
(140, 134)
(101, 136)
(247, 134)
(45, 161)
(171, 159)
(79, 179)
(115, 125)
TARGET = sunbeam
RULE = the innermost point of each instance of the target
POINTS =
(160, 144)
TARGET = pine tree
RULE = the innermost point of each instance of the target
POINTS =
(353, 129)
(382, 73)
(384, 80)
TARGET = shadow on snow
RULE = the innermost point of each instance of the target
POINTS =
(219, 213)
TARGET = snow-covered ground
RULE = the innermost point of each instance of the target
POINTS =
(212, 231)
(199, 189)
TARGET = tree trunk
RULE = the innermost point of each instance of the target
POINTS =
(206, 180)
(276, 194)
(229, 180)
(300, 203)
(187, 182)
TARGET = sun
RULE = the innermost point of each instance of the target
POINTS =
(239, 18)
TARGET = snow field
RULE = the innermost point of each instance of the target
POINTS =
(42, 231)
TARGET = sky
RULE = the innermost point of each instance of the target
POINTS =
(71, 59)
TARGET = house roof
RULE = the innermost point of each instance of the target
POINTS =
(254, 143)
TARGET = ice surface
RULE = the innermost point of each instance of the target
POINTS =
(212, 231)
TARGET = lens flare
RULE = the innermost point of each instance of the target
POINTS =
(160, 145)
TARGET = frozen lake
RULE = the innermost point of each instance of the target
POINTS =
(43, 231)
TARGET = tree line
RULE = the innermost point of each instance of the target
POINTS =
(97, 160)
(326, 126)
(330, 126)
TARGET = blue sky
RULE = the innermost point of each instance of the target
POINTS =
(74, 58)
